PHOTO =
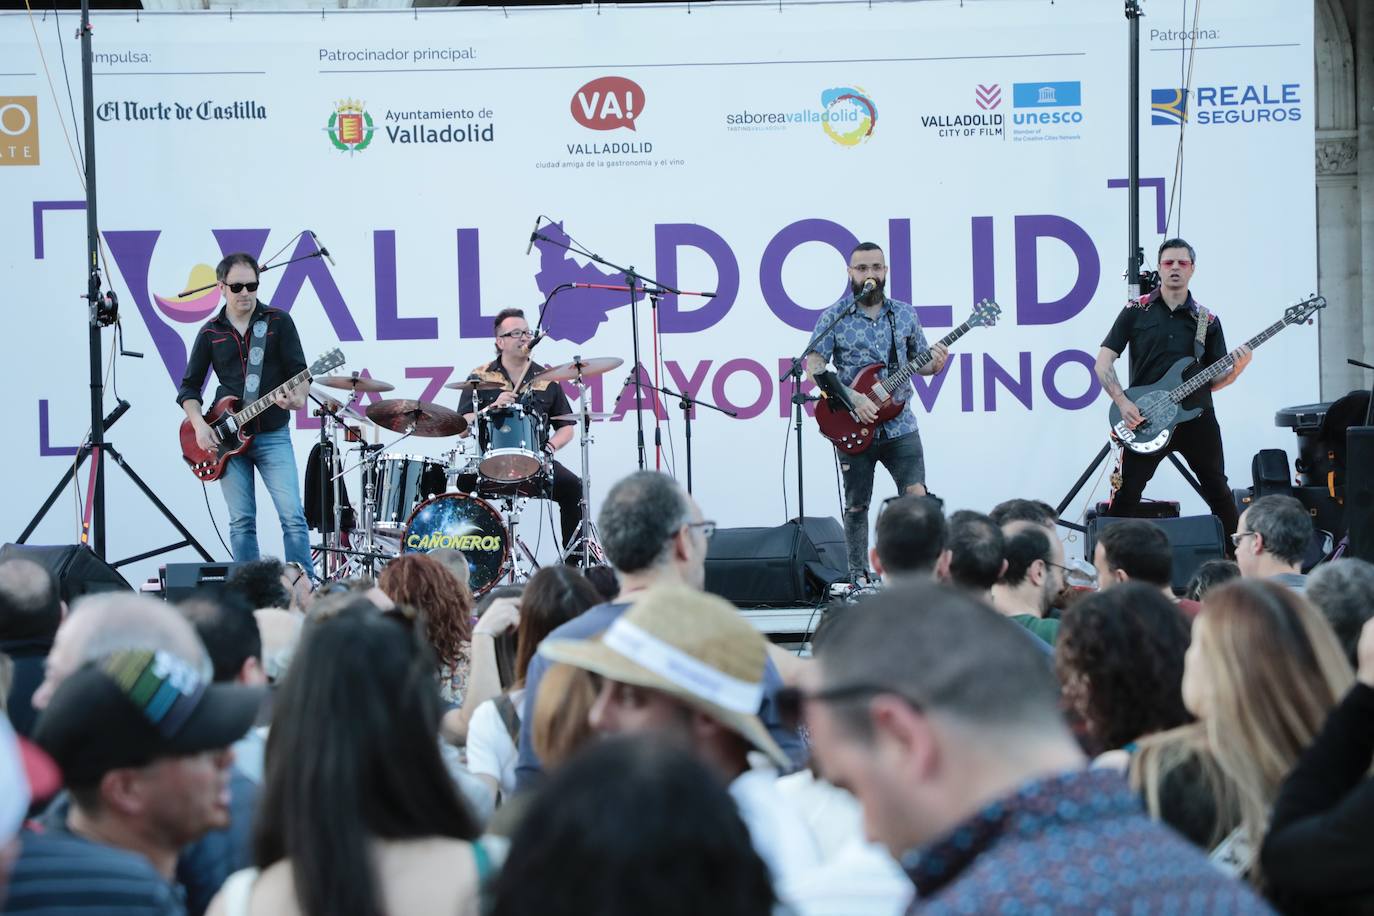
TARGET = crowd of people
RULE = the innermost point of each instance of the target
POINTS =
(981, 732)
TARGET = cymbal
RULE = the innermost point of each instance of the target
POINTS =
(354, 382)
(337, 407)
(596, 416)
(597, 365)
(473, 384)
(420, 418)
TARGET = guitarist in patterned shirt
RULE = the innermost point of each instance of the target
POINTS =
(1161, 329)
(874, 329)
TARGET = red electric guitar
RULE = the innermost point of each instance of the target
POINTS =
(228, 423)
(841, 427)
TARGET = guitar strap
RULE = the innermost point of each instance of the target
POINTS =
(1200, 339)
(892, 360)
(257, 349)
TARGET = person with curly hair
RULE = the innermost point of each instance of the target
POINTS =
(425, 584)
(1120, 663)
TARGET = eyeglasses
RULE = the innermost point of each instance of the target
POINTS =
(240, 287)
(1240, 536)
(708, 529)
(1170, 262)
(519, 335)
(791, 701)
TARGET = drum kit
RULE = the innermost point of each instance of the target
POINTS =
(469, 499)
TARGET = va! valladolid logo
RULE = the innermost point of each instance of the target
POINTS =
(350, 127)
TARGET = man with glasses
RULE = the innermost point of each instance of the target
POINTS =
(653, 533)
(873, 329)
(1161, 329)
(946, 726)
(227, 343)
(1273, 537)
(1032, 579)
(510, 369)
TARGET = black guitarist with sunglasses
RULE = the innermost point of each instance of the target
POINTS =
(226, 344)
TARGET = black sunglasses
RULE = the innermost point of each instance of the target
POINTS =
(240, 287)
(791, 701)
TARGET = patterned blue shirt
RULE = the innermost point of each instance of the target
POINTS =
(1074, 843)
(859, 341)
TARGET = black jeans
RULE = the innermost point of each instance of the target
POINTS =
(1199, 442)
(905, 461)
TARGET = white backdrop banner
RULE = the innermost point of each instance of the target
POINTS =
(737, 148)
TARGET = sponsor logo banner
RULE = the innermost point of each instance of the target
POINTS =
(18, 130)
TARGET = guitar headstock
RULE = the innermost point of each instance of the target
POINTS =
(327, 362)
(985, 314)
(1304, 310)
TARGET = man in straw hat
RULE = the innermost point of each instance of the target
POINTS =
(654, 534)
(685, 665)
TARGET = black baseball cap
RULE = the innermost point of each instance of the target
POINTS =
(136, 706)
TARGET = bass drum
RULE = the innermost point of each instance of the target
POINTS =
(466, 523)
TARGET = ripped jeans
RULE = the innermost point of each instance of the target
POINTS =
(904, 459)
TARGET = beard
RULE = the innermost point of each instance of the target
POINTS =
(879, 292)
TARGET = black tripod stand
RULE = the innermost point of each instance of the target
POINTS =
(103, 310)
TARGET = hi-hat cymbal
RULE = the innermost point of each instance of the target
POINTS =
(597, 365)
(354, 382)
(596, 416)
(419, 418)
(473, 384)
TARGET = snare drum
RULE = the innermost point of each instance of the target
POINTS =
(467, 523)
(401, 483)
(512, 444)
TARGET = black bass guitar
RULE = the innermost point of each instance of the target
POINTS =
(1161, 404)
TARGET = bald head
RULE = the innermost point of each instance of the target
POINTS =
(101, 624)
(30, 606)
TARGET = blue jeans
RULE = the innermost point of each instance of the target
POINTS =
(905, 461)
(271, 453)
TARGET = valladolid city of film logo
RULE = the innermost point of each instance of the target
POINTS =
(350, 127)
(18, 130)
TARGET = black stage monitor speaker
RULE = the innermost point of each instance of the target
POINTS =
(1359, 491)
(76, 568)
(181, 579)
(1195, 539)
(775, 567)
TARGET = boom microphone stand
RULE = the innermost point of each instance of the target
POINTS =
(103, 311)
(636, 284)
(796, 373)
(686, 402)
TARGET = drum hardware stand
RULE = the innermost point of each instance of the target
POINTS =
(517, 546)
(584, 540)
(685, 403)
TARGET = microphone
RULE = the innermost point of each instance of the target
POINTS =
(322, 250)
(1356, 362)
(869, 286)
(534, 233)
(534, 341)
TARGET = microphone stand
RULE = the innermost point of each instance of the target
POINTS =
(686, 402)
(636, 283)
(796, 373)
(317, 253)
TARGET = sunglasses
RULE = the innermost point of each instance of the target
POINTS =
(1170, 262)
(240, 287)
(791, 701)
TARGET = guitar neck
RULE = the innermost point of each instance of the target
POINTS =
(264, 402)
(1225, 364)
(897, 380)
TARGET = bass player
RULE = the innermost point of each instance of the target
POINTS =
(1161, 329)
(253, 348)
(873, 329)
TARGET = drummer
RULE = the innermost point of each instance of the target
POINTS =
(510, 368)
